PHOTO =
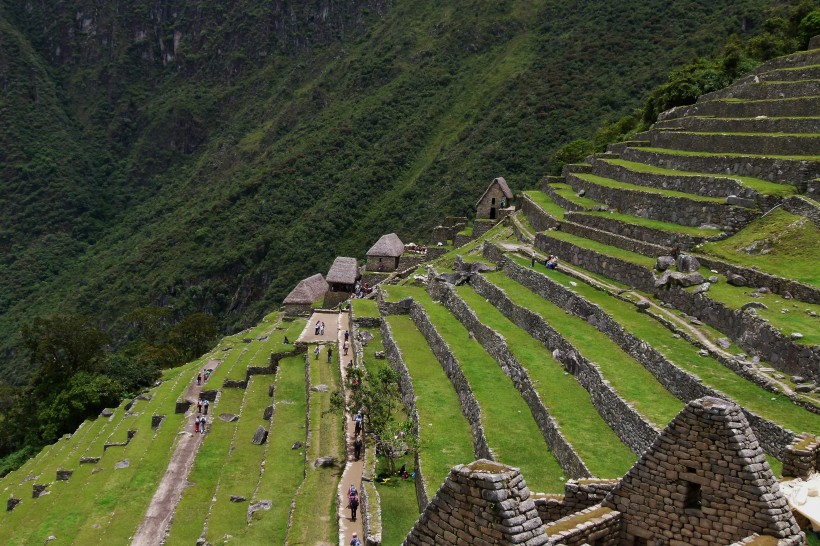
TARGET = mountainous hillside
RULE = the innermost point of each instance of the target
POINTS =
(206, 157)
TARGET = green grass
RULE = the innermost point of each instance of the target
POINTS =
(446, 438)
(759, 185)
(565, 399)
(670, 151)
(546, 203)
(656, 224)
(795, 320)
(314, 516)
(773, 135)
(567, 192)
(365, 308)
(779, 243)
(609, 183)
(608, 250)
(512, 433)
(399, 507)
(775, 407)
(285, 467)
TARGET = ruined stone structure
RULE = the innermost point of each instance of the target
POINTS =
(384, 255)
(496, 197)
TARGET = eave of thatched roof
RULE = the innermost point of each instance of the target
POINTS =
(388, 245)
(343, 271)
(308, 290)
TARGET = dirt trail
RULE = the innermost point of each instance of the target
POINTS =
(161, 510)
(353, 468)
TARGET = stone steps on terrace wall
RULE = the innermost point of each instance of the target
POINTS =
(782, 170)
(808, 72)
(662, 238)
(651, 203)
(741, 125)
(752, 333)
(682, 384)
(739, 143)
(617, 240)
(765, 90)
(709, 185)
(773, 108)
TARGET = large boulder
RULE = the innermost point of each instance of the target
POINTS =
(664, 263)
(736, 280)
(260, 436)
(688, 263)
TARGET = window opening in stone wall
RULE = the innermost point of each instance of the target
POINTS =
(493, 201)
(692, 496)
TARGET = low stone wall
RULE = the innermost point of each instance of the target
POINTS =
(658, 237)
(681, 384)
(741, 125)
(461, 239)
(633, 430)
(750, 90)
(565, 204)
(442, 234)
(451, 366)
(783, 171)
(538, 217)
(594, 525)
(787, 107)
(367, 322)
(453, 221)
(409, 260)
(678, 210)
(797, 204)
(614, 239)
(394, 357)
(736, 144)
(434, 252)
(480, 227)
(577, 496)
(801, 457)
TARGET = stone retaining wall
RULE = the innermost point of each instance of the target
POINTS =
(410, 260)
(460, 239)
(577, 495)
(681, 384)
(538, 217)
(737, 144)
(751, 90)
(640, 233)
(614, 239)
(677, 210)
(565, 204)
(602, 529)
(782, 171)
(797, 204)
(394, 357)
(480, 227)
(801, 457)
(741, 125)
(633, 430)
(789, 107)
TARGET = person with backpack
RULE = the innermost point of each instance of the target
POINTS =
(354, 505)
(355, 541)
(205, 407)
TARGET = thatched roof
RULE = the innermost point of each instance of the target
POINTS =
(343, 271)
(505, 189)
(308, 290)
(388, 245)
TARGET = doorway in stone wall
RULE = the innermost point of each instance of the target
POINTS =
(492, 213)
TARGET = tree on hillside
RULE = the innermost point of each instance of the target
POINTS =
(194, 334)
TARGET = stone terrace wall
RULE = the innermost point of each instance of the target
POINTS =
(564, 203)
(639, 233)
(539, 218)
(737, 144)
(614, 239)
(681, 384)
(577, 496)
(797, 204)
(593, 527)
(451, 366)
(635, 431)
(396, 360)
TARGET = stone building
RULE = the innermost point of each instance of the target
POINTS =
(495, 198)
(342, 279)
(385, 254)
(301, 299)
(704, 481)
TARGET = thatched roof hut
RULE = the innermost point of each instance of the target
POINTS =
(389, 246)
(344, 271)
(308, 291)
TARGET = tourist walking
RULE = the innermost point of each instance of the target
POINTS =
(346, 346)
(205, 407)
(196, 424)
(316, 351)
(358, 421)
(355, 541)
(199, 406)
(199, 378)
(354, 505)
(357, 448)
(329, 353)
(202, 425)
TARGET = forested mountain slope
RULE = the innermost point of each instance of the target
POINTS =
(206, 157)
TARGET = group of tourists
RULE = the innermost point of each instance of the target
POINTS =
(319, 328)
(199, 424)
(203, 375)
(551, 262)
(352, 502)
(202, 406)
(361, 290)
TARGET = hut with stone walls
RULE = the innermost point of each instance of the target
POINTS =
(385, 254)
(301, 299)
(342, 279)
(495, 199)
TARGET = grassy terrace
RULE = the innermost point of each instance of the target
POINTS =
(613, 251)
(757, 184)
(446, 438)
(670, 151)
(567, 401)
(609, 183)
(627, 376)
(257, 352)
(546, 203)
(512, 433)
(566, 191)
(84, 519)
(400, 509)
(314, 516)
(776, 407)
(285, 471)
(364, 308)
(779, 243)
(656, 224)
(242, 466)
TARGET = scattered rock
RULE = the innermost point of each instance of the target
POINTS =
(379, 355)
(229, 417)
(365, 337)
(687, 263)
(89, 460)
(753, 305)
(238, 498)
(664, 263)
(324, 462)
(702, 288)
(125, 463)
(808, 387)
(798, 379)
(763, 290)
(144, 397)
(64, 475)
(783, 310)
(320, 388)
(38, 490)
(643, 304)
(50, 538)
(268, 413)
(686, 279)
(106, 413)
(812, 313)
(724, 343)
(713, 279)
(787, 295)
(796, 335)
(695, 321)
(736, 280)
(556, 354)
(703, 352)
(581, 193)
(260, 436)
(257, 506)
(270, 390)
(12, 503)
(296, 445)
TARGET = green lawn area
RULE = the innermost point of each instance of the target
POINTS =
(314, 516)
(775, 407)
(613, 251)
(656, 224)
(365, 308)
(759, 185)
(285, 467)
(446, 438)
(628, 377)
(567, 192)
(609, 183)
(779, 243)
(546, 203)
(400, 509)
(512, 433)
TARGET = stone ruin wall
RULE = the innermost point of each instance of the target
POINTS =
(633, 231)
(538, 217)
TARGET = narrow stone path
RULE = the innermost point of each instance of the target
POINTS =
(161, 510)
(353, 469)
